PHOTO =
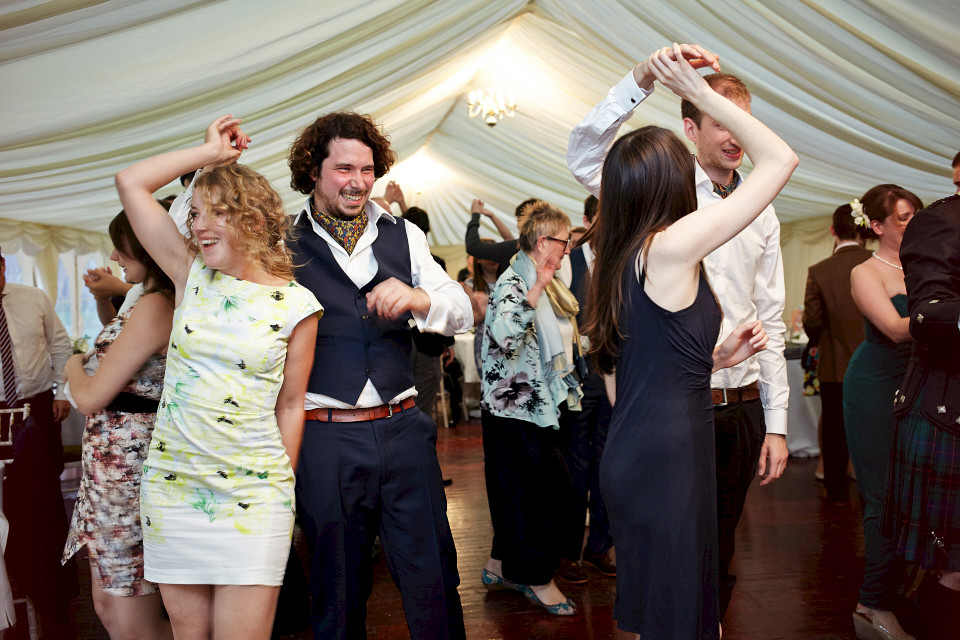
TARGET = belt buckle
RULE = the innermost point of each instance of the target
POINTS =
(389, 410)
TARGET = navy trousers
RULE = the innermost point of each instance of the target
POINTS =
(581, 445)
(356, 480)
(740, 431)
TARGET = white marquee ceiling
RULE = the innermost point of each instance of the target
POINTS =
(866, 91)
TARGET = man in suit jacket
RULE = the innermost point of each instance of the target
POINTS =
(834, 323)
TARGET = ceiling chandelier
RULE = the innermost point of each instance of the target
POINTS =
(490, 106)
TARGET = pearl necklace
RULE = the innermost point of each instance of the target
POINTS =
(889, 264)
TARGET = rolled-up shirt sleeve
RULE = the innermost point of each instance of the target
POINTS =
(450, 309)
(590, 139)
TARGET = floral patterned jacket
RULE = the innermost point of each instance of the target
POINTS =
(512, 383)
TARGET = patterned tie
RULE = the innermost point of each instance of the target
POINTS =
(723, 190)
(11, 392)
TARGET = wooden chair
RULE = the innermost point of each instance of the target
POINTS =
(9, 417)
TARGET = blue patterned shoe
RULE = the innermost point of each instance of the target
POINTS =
(493, 582)
(568, 608)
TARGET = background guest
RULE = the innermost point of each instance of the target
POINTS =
(529, 391)
(875, 373)
(120, 399)
(834, 323)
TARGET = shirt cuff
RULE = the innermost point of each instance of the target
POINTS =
(775, 421)
(627, 94)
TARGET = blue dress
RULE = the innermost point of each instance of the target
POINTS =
(657, 474)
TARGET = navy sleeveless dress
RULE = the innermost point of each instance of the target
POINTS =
(658, 474)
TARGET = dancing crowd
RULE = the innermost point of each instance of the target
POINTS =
(264, 369)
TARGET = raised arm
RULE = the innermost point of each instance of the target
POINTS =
(592, 137)
(698, 234)
(223, 143)
(477, 207)
(871, 297)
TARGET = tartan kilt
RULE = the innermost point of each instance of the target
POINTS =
(923, 492)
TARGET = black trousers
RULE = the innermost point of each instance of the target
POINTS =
(582, 447)
(739, 430)
(835, 452)
(356, 480)
(528, 488)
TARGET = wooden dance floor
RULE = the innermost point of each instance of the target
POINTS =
(799, 563)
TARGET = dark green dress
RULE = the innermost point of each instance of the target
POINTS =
(872, 378)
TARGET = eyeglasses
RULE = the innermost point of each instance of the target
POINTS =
(565, 243)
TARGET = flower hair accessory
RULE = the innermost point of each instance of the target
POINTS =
(856, 212)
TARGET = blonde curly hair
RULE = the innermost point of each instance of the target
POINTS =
(254, 212)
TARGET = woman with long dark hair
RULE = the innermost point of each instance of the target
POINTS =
(653, 327)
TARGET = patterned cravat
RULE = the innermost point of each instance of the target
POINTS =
(12, 394)
(723, 190)
(345, 232)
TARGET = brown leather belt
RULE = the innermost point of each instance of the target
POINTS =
(359, 415)
(739, 394)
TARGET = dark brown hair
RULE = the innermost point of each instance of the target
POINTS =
(729, 86)
(125, 240)
(845, 226)
(880, 202)
(312, 147)
(647, 185)
(479, 283)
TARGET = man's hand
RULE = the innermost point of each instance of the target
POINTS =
(743, 342)
(695, 54)
(61, 409)
(104, 285)
(773, 458)
(391, 298)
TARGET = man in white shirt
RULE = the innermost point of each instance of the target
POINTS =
(750, 399)
(368, 461)
(40, 349)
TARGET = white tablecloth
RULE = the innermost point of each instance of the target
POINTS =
(803, 416)
(463, 351)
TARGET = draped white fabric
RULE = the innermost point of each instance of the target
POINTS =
(864, 90)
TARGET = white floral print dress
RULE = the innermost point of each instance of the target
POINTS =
(218, 489)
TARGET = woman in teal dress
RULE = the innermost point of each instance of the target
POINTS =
(217, 496)
(874, 374)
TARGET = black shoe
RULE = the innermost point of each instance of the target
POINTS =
(601, 563)
(571, 572)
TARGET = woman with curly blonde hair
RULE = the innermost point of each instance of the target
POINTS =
(217, 490)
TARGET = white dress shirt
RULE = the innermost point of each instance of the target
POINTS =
(450, 308)
(41, 346)
(746, 273)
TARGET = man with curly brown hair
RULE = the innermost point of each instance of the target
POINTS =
(369, 461)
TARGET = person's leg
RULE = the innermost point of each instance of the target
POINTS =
(337, 498)
(599, 538)
(739, 432)
(416, 535)
(426, 377)
(243, 612)
(576, 442)
(190, 607)
(129, 617)
(834, 452)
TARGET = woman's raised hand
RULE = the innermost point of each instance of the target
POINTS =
(225, 136)
(676, 68)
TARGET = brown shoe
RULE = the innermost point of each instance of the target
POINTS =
(601, 563)
(571, 572)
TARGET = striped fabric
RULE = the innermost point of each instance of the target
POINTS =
(10, 387)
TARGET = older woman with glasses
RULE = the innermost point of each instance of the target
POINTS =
(529, 387)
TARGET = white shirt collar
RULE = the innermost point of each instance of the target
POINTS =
(846, 243)
(702, 179)
(374, 213)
